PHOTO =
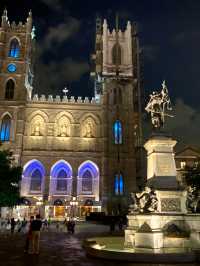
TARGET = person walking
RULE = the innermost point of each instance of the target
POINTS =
(72, 226)
(12, 223)
(120, 224)
(28, 236)
(35, 229)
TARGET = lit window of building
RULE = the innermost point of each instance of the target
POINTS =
(14, 49)
(183, 164)
(5, 128)
(117, 130)
(119, 185)
(36, 180)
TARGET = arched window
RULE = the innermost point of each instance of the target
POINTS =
(62, 180)
(5, 128)
(87, 181)
(117, 132)
(14, 49)
(9, 91)
(119, 185)
(36, 180)
(116, 54)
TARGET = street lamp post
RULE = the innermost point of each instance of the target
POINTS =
(73, 204)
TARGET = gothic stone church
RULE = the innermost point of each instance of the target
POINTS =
(78, 155)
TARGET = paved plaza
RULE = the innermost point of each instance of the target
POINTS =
(56, 248)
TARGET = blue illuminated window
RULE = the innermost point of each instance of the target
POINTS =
(9, 90)
(36, 180)
(119, 185)
(14, 49)
(87, 181)
(12, 68)
(62, 181)
(5, 128)
(117, 130)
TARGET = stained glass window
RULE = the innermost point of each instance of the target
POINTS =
(36, 180)
(62, 180)
(87, 181)
(14, 49)
(117, 130)
(5, 128)
(9, 90)
(119, 184)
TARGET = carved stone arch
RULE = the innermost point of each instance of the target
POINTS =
(62, 125)
(4, 114)
(28, 176)
(88, 127)
(38, 112)
(95, 117)
(67, 114)
(14, 37)
(37, 126)
(6, 80)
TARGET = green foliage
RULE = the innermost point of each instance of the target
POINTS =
(9, 180)
(192, 176)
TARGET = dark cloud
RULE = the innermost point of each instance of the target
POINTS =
(150, 52)
(54, 66)
(57, 35)
(186, 36)
(185, 124)
(53, 4)
(52, 77)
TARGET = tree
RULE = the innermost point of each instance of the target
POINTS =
(192, 176)
(10, 177)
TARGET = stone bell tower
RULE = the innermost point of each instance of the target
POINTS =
(16, 78)
(16, 49)
(117, 87)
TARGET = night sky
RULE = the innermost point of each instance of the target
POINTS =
(169, 32)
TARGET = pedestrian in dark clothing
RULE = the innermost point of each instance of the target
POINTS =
(12, 222)
(28, 236)
(120, 224)
(35, 229)
(112, 225)
(72, 226)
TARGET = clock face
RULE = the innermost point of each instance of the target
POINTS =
(11, 68)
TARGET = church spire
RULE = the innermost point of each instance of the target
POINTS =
(4, 20)
(29, 21)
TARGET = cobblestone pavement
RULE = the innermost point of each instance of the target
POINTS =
(56, 249)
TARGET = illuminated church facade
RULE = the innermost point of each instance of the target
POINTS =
(78, 155)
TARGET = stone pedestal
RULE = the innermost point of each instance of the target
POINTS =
(161, 168)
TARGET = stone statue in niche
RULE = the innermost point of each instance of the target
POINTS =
(88, 130)
(146, 201)
(63, 130)
(193, 199)
(36, 131)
